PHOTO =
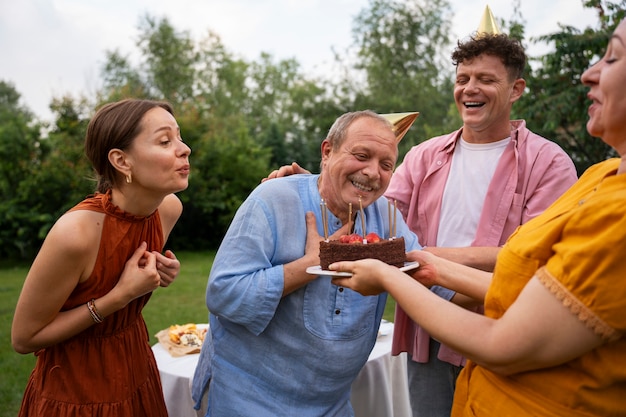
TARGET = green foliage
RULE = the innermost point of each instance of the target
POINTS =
(42, 176)
(403, 49)
(237, 117)
(184, 300)
(227, 165)
(167, 69)
(169, 60)
(555, 104)
(21, 150)
(243, 118)
(281, 99)
(120, 80)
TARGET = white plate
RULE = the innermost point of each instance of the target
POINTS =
(317, 270)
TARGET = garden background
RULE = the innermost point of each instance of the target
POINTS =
(244, 118)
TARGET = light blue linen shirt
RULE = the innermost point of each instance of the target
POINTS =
(268, 355)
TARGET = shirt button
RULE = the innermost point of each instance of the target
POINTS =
(340, 289)
(337, 311)
(439, 163)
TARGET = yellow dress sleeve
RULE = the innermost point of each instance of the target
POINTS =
(588, 267)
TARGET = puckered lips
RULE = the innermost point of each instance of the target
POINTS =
(184, 170)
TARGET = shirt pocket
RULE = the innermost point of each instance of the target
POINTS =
(337, 313)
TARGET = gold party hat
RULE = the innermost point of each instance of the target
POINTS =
(488, 24)
(401, 122)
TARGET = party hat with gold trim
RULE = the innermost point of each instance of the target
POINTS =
(401, 122)
(488, 24)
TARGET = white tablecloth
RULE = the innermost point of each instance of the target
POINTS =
(380, 389)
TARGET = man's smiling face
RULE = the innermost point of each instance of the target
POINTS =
(361, 167)
(483, 92)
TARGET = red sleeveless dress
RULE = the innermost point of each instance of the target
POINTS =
(108, 369)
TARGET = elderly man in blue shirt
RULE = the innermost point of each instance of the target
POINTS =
(283, 342)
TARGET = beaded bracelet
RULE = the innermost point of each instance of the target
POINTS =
(91, 305)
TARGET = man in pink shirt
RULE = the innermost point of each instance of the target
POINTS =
(464, 193)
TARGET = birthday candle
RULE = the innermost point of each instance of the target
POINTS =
(389, 214)
(349, 214)
(324, 218)
(362, 217)
(395, 204)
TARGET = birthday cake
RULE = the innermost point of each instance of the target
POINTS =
(354, 247)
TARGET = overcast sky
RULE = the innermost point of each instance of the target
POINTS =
(49, 48)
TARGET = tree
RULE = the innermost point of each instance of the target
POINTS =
(20, 153)
(226, 166)
(169, 60)
(19, 145)
(556, 104)
(289, 113)
(403, 50)
(242, 117)
(166, 71)
(40, 176)
(120, 79)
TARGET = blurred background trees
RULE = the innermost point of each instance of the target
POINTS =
(244, 118)
(555, 104)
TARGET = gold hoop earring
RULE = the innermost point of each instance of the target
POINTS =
(129, 179)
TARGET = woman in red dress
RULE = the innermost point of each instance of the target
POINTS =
(80, 308)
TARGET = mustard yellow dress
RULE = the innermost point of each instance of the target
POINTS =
(577, 248)
(109, 369)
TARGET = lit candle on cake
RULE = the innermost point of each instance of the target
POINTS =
(389, 214)
(362, 219)
(395, 206)
(349, 214)
(324, 218)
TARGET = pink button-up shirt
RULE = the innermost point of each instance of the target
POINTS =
(531, 174)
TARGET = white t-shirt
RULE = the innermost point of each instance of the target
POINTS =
(473, 165)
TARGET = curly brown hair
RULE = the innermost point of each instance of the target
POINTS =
(509, 50)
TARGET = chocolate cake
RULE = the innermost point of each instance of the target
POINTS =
(391, 251)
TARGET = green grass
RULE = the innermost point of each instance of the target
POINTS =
(182, 302)
(14, 368)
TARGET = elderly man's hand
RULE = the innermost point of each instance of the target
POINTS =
(285, 171)
(313, 238)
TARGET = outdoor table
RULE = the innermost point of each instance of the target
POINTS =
(380, 389)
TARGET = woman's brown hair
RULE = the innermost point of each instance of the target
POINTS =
(115, 126)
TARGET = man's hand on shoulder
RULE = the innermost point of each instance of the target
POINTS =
(285, 171)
